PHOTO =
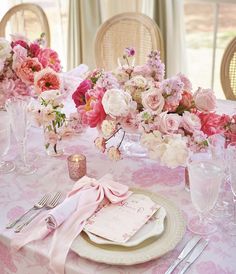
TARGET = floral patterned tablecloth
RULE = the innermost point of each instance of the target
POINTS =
(18, 193)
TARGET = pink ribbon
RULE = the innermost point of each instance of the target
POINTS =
(68, 219)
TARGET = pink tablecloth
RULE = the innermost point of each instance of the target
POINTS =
(18, 193)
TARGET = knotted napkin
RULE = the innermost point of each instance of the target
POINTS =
(68, 219)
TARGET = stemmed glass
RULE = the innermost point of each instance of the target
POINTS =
(20, 123)
(217, 147)
(231, 157)
(205, 179)
(5, 166)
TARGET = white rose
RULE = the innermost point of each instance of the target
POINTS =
(117, 102)
(169, 122)
(151, 140)
(190, 122)
(5, 48)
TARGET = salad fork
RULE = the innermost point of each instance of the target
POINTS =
(53, 202)
(40, 204)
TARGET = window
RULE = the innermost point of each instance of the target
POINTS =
(210, 26)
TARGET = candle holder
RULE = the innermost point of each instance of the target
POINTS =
(76, 166)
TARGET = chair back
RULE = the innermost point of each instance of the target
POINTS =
(126, 30)
(228, 71)
(27, 19)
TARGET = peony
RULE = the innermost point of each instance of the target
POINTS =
(49, 58)
(117, 102)
(211, 123)
(108, 127)
(27, 69)
(19, 56)
(114, 153)
(79, 95)
(46, 79)
(168, 122)
(5, 49)
(205, 100)
(190, 122)
(153, 100)
(20, 89)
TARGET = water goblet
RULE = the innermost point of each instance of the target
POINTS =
(5, 166)
(20, 123)
(231, 159)
(205, 180)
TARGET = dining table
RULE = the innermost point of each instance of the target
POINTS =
(19, 192)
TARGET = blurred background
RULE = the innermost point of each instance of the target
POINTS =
(195, 32)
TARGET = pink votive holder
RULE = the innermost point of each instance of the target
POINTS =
(76, 166)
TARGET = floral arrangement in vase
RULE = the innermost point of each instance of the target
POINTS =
(169, 116)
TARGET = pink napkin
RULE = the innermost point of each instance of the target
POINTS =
(68, 219)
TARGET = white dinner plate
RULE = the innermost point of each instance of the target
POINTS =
(153, 227)
(149, 249)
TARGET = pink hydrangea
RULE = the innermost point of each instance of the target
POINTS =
(49, 58)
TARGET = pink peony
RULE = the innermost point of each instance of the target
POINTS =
(169, 123)
(46, 79)
(27, 69)
(92, 113)
(22, 43)
(49, 58)
(34, 50)
(190, 122)
(205, 100)
(19, 55)
(79, 95)
(211, 123)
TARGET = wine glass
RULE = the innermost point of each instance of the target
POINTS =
(217, 147)
(20, 123)
(205, 179)
(231, 157)
(5, 166)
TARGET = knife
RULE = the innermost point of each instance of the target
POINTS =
(195, 254)
(188, 247)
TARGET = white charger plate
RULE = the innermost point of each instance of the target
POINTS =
(149, 249)
(153, 227)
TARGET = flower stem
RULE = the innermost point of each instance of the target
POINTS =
(121, 140)
(55, 148)
(113, 134)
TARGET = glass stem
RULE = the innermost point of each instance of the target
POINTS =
(23, 152)
(234, 199)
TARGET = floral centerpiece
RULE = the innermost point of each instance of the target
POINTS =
(172, 120)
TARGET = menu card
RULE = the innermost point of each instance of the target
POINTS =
(119, 222)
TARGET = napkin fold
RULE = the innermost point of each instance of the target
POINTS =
(68, 219)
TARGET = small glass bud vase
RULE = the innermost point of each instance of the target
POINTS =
(52, 140)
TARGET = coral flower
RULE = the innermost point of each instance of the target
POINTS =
(49, 58)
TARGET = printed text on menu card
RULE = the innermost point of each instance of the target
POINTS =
(119, 222)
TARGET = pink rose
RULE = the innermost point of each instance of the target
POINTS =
(168, 123)
(190, 122)
(153, 100)
(46, 79)
(27, 69)
(211, 123)
(205, 100)
(187, 102)
(49, 58)
(79, 95)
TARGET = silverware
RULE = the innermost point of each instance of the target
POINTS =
(195, 254)
(40, 204)
(53, 202)
(188, 247)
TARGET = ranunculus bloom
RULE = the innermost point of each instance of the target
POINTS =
(27, 69)
(168, 122)
(92, 113)
(100, 144)
(49, 58)
(5, 48)
(79, 95)
(108, 127)
(117, 102)
(153, 100)
(46, 79)
(114, 153)
(190, 122)
(187, 102)
(211, 123)
(205, 100)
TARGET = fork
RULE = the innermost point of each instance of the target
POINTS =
(40, 204)
(53, 202)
